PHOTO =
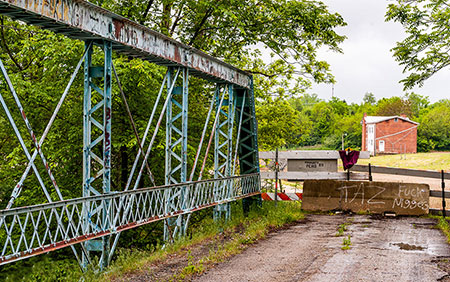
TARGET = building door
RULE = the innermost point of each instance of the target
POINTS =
(381, 145)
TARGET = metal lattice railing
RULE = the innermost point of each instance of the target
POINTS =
(29, 231)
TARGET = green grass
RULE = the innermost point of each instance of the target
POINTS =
(444, 226)
(425, 161)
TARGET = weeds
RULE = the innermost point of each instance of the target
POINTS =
(191, 269)
(226, 239)
(444, 226)
(342, 228)
(346, 243)
(240, 232)
(363, 212)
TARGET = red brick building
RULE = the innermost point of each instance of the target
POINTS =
(389, 135)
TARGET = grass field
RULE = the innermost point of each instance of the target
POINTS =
(427, 161)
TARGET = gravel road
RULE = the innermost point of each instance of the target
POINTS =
(382, 249)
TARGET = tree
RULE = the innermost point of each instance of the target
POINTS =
(394, 106)
(340, 107)
(305, 101)
(291, 31)
(425, 50)
(369, 98)
(279, 125)
(417, 102)
(323, 118)
(434, 130)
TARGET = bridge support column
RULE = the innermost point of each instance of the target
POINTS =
(97, 148)
(248, 142)
(176, 152)
(223, 149)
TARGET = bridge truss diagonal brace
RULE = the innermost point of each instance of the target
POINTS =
(38, 150)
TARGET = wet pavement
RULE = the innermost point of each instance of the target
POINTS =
(381, 249)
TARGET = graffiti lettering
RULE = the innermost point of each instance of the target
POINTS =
(382, 189)
(409, 204)
(407, 198)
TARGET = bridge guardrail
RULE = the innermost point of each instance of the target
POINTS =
(33, 230)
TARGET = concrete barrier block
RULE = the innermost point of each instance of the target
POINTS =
(375, 197)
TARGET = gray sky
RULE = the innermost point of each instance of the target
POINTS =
(367, 64)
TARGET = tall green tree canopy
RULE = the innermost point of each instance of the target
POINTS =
(235, 30)
(425, 50)
(394, 106)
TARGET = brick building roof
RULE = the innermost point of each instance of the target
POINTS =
(377, 119)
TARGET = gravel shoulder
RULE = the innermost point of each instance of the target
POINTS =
(382, 249)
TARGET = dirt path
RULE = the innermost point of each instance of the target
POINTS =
(397, 249)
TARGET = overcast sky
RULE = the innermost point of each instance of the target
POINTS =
(367, 64)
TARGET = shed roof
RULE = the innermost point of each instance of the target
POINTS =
(377, 119)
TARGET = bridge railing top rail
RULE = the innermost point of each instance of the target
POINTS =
(30, 231)
(113, 194)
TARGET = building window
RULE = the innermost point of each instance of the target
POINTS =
(395, 119)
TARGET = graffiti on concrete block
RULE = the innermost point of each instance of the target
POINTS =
(406, 197)
(376, 197)
(404, 200)
(354, 191)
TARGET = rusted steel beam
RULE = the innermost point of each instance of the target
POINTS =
(80, 20)
(131, 225)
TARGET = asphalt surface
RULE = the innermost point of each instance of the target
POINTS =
(382, 249)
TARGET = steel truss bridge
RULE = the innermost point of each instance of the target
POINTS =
(92, 223)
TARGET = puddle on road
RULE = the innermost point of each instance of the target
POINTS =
(364, 222)
(408, 247)
(425, 225)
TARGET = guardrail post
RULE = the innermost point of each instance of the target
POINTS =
(276, 176)
(370, 172)
(443, 193)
